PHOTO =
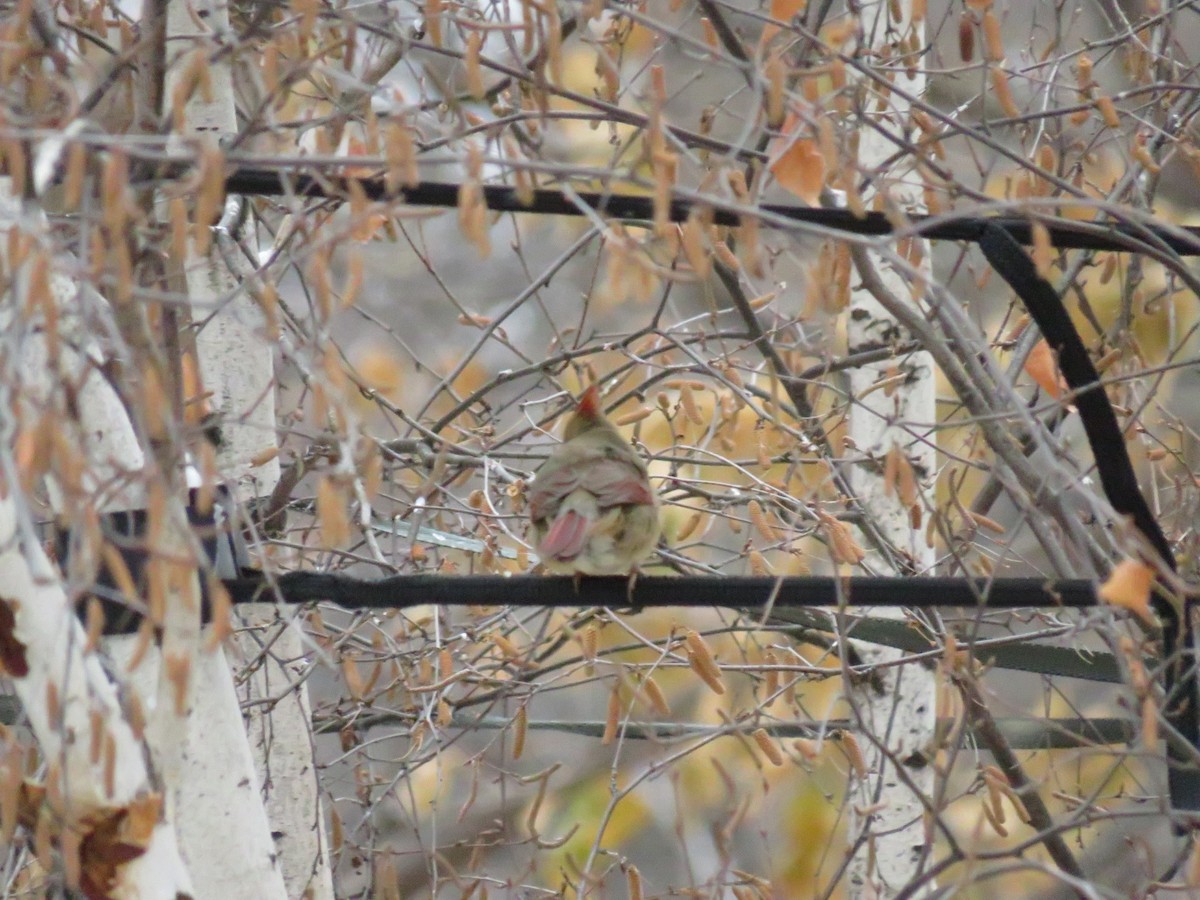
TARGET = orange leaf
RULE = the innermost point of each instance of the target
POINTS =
(782, 11)
(1128, 586)
(1042, 367)
(801, 169)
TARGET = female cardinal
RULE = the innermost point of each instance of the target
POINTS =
(592, 507)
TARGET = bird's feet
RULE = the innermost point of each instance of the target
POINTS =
(631, 584)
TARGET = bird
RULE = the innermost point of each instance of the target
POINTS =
(591, 505)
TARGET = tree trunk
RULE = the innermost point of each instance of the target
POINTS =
(236, 365)
(897, 712)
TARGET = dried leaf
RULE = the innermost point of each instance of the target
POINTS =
(1042, 366)
(1128, 586)
(781, 11)
(801, 170)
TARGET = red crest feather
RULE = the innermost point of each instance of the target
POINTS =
(589, 403)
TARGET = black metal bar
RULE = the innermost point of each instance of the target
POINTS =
(1020, 733)
(1117, 478)
(402, 591)
(1183, 240)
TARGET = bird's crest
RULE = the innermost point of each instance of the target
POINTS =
(589, 403)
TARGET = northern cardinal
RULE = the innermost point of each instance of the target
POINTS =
(592, 507)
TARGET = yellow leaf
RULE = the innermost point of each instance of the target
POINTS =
(1128, 586)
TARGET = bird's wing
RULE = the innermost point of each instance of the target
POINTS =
(613, 482)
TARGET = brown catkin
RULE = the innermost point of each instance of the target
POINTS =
(520, 727)
(994, 781)
(992, 41)
(613, 719)
(691, 235)
(475, 85)
(633, 879)
(767, 745)
(726, 256)
(762, 524)
(771, 686)
(1110, 269)
(776, 72)
(843, 546)
(990, 815)
(891, 464)
(984, 522)
(1047, 158)
(1083, 71)
(966, 38)
(636, 416)
(853, 753)
(95, 624)
(1108, 112)
(1043, 249)
(505, 646)
(655, 696)
(1003, 91)
(689, 527)
(1149, 723)
(687, 402)
(758, 563)
(807, 748)
(702, 662)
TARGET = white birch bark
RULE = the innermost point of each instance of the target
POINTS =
(236, 365)
(73, 706)
(898, 721)
(46, 634)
